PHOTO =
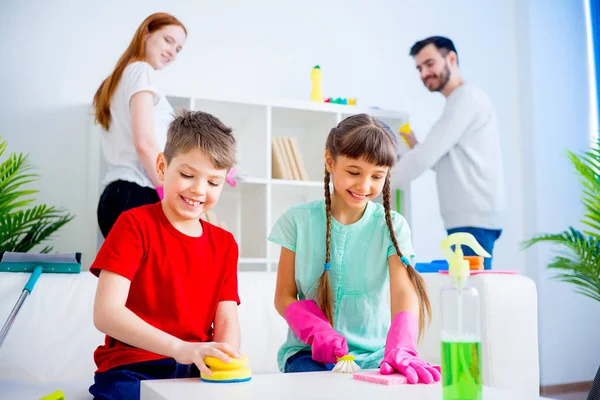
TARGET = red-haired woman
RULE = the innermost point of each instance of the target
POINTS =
(135, 116)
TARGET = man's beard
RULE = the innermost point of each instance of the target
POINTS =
(442, 79)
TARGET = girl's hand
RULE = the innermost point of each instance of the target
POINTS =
(408, 363)
(401, 352)
(194, 353)
(327, 347)
(310, 325)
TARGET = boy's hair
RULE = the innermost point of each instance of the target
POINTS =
(200, 130)
(443, 44)
(362, 136)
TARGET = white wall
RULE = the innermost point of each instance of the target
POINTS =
(245, 50)
(57, 54)
(555, 112)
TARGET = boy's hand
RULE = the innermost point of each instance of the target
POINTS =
(194, 353)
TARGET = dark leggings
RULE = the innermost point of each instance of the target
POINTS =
(121, 196)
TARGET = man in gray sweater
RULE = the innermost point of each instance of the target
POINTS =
(463, 148)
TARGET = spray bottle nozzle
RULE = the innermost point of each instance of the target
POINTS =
(457, 265)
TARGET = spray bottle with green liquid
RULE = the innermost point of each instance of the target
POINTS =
(461, 341)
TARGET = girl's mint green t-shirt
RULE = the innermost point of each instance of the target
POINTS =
(359, 273)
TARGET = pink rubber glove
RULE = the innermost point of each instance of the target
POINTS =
(308, 322)
(161, 192)
(401, 352)
(230, 178)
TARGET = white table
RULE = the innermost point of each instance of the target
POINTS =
(301, 386)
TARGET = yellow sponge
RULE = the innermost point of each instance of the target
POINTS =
(405, 128)
(218, 364)
(222, 372)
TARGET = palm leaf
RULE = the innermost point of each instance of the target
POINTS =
(21, 228)
(578, 258)
(24, 229)
(578, 262)
(14, 173)
(587, 166)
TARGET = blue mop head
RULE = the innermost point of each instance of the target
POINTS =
(67, 263)
(36, 264)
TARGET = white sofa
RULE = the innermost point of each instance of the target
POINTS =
(51, 343)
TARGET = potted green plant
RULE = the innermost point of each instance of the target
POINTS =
(578, 258)
(23, 225)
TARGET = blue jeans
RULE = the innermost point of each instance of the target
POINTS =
(485, 237)
(123, 382)
(302, 362)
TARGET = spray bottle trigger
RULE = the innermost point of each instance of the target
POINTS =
(457, 265)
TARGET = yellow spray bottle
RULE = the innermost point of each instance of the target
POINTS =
(316, 93)
(461, 340)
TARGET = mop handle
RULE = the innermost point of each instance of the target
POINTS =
(37, 271)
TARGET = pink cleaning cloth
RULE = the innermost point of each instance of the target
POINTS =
(376, 377)
(487, 272)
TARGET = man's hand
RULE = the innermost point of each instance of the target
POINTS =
(409, 138)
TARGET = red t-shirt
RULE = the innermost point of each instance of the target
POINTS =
(177, 281)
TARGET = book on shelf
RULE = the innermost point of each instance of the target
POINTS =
(287, 161)
(211, 218)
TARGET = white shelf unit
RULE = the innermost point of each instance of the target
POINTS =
(251, 208)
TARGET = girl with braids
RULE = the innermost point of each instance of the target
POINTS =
(343, 257)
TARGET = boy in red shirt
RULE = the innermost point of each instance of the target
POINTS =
(167, 292)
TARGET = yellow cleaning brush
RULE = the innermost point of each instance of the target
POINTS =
(346, 365)
(58, 395)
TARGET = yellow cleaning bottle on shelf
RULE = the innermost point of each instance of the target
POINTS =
(461, 341)
(316, 93)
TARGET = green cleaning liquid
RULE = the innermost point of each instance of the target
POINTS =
(461, 370)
